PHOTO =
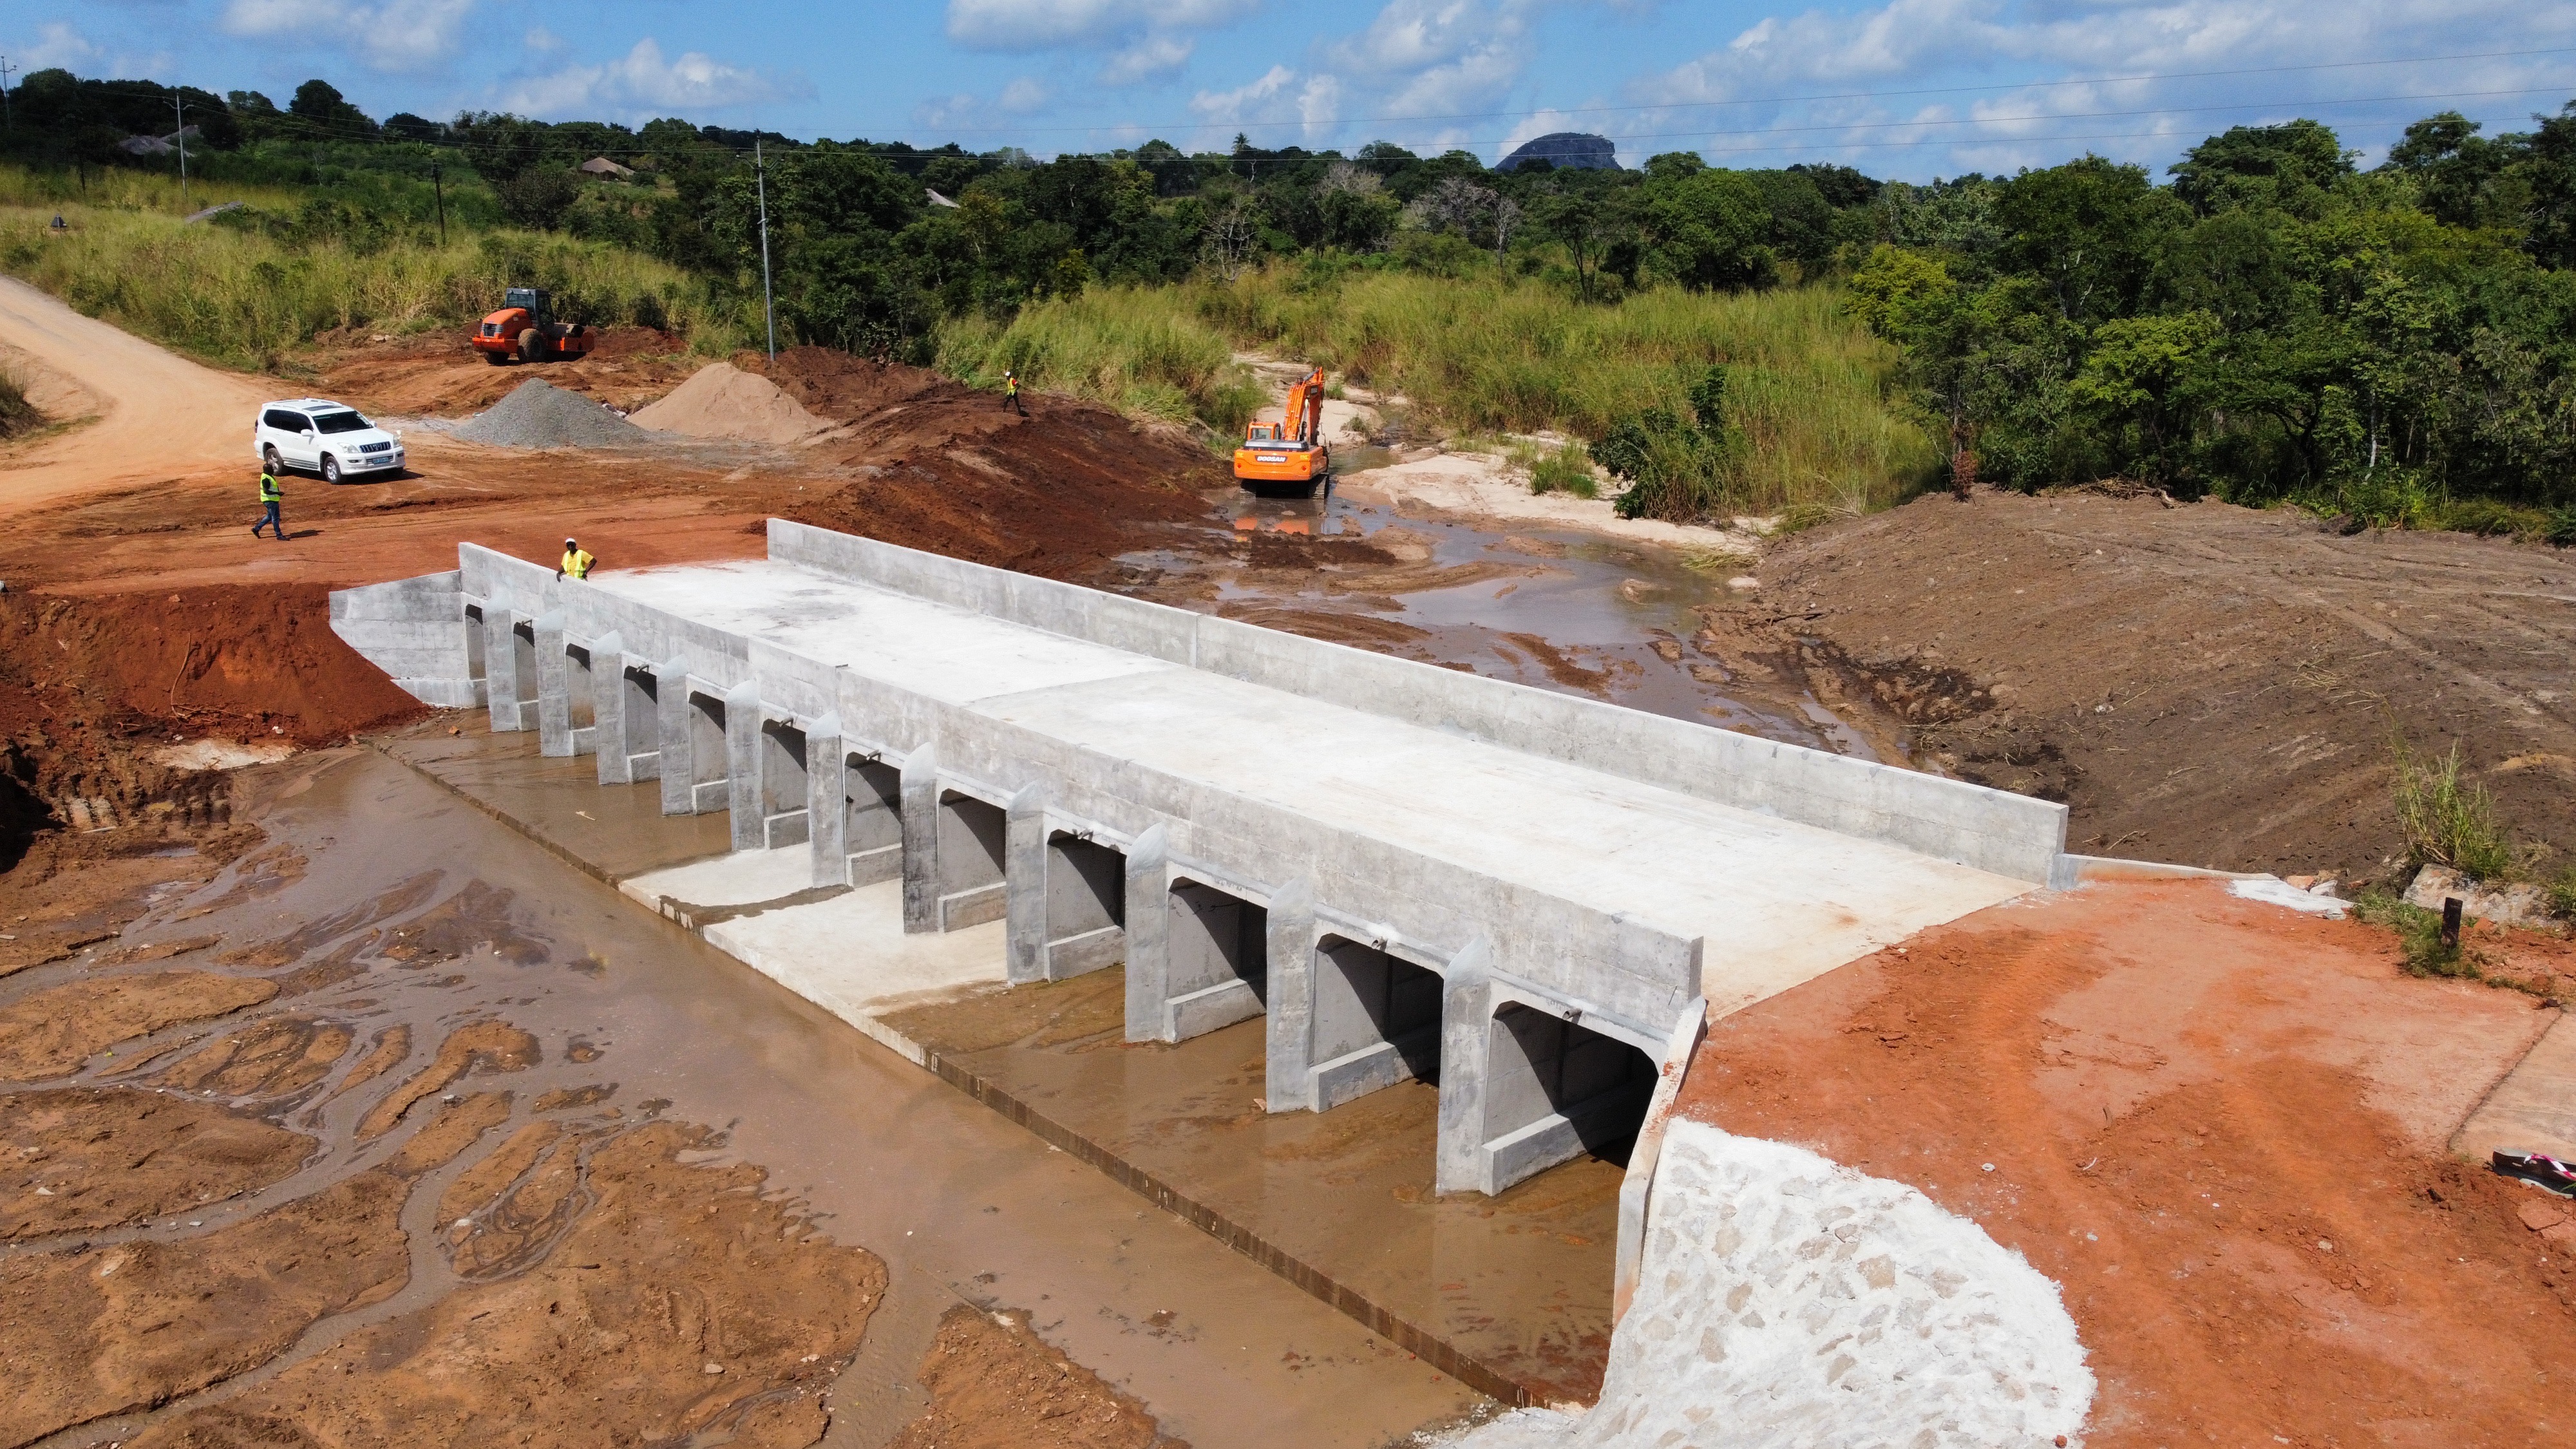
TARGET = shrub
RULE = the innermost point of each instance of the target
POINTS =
(17, 415)
(1126, 347)
(2419, 936)
(1561, 470)
(2448, 822)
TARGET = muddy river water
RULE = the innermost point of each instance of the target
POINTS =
(961, 1206)
(1558, 608)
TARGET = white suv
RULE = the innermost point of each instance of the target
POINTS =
(329, 438)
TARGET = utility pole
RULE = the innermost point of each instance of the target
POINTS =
(179, 109)
(438, 186)
(6, 119)
(768, 304)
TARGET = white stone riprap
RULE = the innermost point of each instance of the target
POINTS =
(1786, 1300)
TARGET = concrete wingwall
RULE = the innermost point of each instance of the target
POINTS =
(409, 628)
(1993, 830)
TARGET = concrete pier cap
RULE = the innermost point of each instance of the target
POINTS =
(1514, 895)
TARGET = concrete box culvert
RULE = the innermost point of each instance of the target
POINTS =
(1007, 746)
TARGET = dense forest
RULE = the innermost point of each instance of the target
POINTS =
(2268, 321)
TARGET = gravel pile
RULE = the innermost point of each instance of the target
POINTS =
(539, 414)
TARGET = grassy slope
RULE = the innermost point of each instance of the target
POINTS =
(241, 298)
(1811, 390)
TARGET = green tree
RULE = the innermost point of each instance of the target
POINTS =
(1705, 228)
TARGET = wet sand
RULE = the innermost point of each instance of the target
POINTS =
(673, 1075)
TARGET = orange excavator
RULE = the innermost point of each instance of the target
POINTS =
(1290, 452)
(525, 329)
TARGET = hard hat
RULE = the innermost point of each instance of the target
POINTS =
(567, 543)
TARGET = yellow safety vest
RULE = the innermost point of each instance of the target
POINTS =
(269, 492)
(577, 563)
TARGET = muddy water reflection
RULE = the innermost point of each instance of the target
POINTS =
(1561, 609)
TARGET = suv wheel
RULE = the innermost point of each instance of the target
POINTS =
(268, 455)
(330, 469)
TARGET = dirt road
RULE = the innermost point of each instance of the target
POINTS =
(158, 416)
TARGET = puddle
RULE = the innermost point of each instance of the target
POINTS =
(1559, 609)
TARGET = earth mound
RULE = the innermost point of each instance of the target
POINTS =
(723, 401)
(541, 415)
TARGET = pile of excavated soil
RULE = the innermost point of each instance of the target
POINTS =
(1060, 493)
(723, 401)
(538, 414)
(2222, 1128)
(2203, 683)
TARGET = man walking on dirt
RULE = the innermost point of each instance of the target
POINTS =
(1011, 393)
(270, 497)
(576, 564)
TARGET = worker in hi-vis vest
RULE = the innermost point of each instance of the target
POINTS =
(1011, 393)
(576, 564)
(270, 497)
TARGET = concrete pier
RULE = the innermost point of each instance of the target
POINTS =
(1408, 873)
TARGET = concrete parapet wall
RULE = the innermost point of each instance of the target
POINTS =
(1992, 830)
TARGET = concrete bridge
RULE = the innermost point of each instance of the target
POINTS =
(1409, 872)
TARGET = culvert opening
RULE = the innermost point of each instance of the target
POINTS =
(971, 836)
(1086, 905)
(581, 689)
(1219, 953)
(708, 771)
(782, 784)
(639, 718)
(474, 665)
(1376, 1023)
(1556, 1089)
(872, 805)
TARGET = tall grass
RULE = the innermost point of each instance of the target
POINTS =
(16, 414)
(1142, 351)
(242, 298)
(1812, 393)
(2448, 821)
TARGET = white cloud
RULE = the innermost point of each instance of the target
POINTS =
(1148, 59)
(641, 83)
(1020, 25)
(57, 44)
(1022, 95)
(1878, 52)
(394, 35)
(1254, 101)
(542, 40)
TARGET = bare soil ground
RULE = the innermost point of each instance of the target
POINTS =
(2213, 685)
(2221, 1127)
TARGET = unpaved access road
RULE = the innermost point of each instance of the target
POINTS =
(158, 415)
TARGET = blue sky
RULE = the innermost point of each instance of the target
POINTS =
(1903, 88)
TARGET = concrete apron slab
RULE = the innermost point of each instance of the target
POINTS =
(1509, 1295)
(2533, 1109)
